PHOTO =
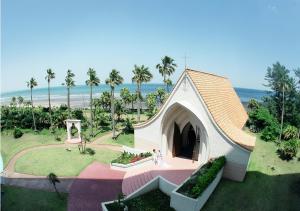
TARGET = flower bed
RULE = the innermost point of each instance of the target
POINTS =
(127, 157)
(201, 179)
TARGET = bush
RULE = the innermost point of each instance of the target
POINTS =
(259, 119)
(271, 132)
(290, 132)
(18, 133)
(200, 180)
(128, 127)
(90, 151)
(288, 149)
(127, 157)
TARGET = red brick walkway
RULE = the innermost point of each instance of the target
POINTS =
(96, 184)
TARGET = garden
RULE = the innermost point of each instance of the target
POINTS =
(151, 201)
(127, 157)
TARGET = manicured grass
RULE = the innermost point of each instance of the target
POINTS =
(270, 184)
(10, 146)
(16, 199)
(151, 201)
(60, 161)
(123, 139)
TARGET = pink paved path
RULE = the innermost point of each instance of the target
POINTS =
(96, 184)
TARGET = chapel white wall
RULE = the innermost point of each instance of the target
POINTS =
(151, 135)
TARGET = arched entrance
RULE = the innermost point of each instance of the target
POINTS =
(183, 134)
(184, 143)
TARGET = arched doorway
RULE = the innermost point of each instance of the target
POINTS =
(184, 142)
(183, 134)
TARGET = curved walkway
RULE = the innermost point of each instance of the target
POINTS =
(96, 184)
(10, 177)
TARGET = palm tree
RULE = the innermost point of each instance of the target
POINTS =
(53, 180)
(69, 82)
(31, 84)
(284, 86)
(50, 75)
(140, 74)
(125, 95)
(113, 80)
(166, 68)
(93, 80)
(13, 101)
(20, 100)
(161, 95)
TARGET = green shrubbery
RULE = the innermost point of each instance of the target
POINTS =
(21, 117)
(290, 132)
(127, 157)
(288, 149)
(17, 133)
(200, 180)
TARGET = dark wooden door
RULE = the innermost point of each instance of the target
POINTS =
(176, 140)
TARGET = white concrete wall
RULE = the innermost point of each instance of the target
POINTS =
(183, 203)
(158, 134)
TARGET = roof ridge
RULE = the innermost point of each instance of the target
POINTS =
(200, 71)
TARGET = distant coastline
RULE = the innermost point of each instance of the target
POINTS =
(80, 94)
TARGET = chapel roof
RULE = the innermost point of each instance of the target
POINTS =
(224, 106)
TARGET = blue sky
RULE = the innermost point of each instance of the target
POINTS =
(237, 39)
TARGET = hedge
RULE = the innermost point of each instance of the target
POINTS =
(200, 180)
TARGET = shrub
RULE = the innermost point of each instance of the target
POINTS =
(128, 126)
(259, 119)
(290, 132)
(288, 149)
(253, 104)
(200, 180)
(17, 133)
(127, 157)
(90, 151)
(271, 132)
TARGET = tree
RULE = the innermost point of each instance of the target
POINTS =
(169, 84)
(50, 75)
(161, 95)
(297, 73)
(151, 104)
(53, 180)
(119, 108)
(31, 84)
(20, 100)
(13, 101)
(141, 74)
(166, 68)
(104, 101)
(125, 95)
(133, 99)
(93, 80)
(283, 87)
(69, 83)
(113, 80)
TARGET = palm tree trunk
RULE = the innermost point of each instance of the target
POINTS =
(34, 125)
(282, 114)
(165, 82)
(69, 115)
(139, 102)
(91, 109)
(49, 101)
(113, 112)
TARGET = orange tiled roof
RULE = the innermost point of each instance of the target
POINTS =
(224, 106)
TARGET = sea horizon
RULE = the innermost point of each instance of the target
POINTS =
(80, 93)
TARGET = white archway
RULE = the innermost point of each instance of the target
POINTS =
(77, 124)
(181, 115)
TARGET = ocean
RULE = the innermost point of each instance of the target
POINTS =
(80, 94)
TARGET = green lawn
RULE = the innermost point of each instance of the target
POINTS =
(10, 146)
(16, 199)
(270, 184)
(123, 139)
(60, 161)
